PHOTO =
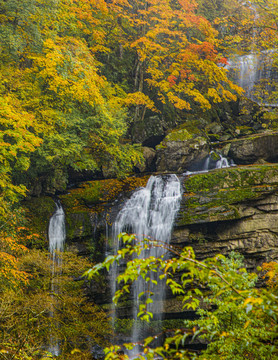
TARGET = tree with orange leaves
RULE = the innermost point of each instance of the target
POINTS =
(176, 54)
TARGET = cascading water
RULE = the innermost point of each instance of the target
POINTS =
(57, 233)
(222, 162)
(56, 237)
(257, 75)
(212, 161)
(149, 213)
(256, 71)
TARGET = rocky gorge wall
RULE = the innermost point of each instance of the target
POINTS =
(231, 209)
(226, 209)
(221, 210)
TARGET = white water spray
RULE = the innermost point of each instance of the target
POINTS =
(256, 73)
(57, 231)
(210, 164)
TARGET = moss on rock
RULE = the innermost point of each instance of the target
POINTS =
(92, 201)
(92, 196)
(218, 195)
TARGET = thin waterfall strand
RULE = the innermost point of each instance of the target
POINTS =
(56, 237)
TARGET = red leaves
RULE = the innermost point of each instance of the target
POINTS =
(205, 50)
(172, 80)
(223, 61)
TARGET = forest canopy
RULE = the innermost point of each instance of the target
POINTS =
(77, 75)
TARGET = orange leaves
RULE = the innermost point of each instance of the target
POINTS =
(172, 80)
(223, 61)
(188, 6)
(180, 67)
(205, 50)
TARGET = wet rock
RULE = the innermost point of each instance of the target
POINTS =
(179, 150)
(231, 209)
(97, 352)
(214, 128)
(148, 163)
(254, 148)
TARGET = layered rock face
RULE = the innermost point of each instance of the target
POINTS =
(231, 209)
(222, 210)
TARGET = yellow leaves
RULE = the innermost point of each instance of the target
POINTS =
(247, 324)
(178, 102)
(182, 69)
(76, 351)
(252, 300)
(224, 334)
(70, 71)
(271, 274)
(18, 141)
(212, 93)
(139, 98)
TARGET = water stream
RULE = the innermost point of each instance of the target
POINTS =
(149, 213)
(56, 237)
(212, 161)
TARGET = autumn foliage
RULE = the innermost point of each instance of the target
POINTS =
(76, 75)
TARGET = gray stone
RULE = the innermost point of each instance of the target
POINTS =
(252, 149)
(214, 128)
(248, 225)
(149, 155)
(177, 156)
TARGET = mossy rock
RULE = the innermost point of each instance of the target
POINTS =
(215, 156)
(181, 148)
(92, 196)
(178, 135)
(218, 195)
(90, 205)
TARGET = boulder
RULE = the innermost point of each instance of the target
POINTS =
(251, 149)
(149, 155)
(179, 150)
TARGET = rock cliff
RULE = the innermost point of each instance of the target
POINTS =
(231, 209)
(227, 209)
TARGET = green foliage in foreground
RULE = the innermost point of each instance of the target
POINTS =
(237, 320)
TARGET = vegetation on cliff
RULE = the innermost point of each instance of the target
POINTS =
(219, 195)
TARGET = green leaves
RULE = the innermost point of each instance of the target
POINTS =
(237, 319)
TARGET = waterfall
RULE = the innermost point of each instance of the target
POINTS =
(256, 71)
(222, 162)
(212, 161)
(257, 74)
(149, 213)
(56, 237)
